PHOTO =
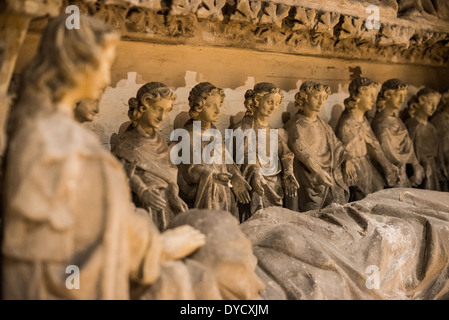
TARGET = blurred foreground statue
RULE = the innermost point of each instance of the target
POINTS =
(67, 199)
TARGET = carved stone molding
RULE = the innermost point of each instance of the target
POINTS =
(276, 26)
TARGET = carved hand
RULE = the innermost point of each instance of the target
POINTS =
(291, 185)
(223, 178)
(153, 199)
(240, 188)
(350, 170)
(257, 182)
(391, 175)
(180, 242)
(418, 175)
(324, 178)
(178, 205)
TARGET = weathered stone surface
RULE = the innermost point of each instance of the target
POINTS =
(311, 27)
(324, 254)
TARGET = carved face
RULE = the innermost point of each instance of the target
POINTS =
(367, 98)
(428, 104)
(268, 104)
(315, 101)
(86, 110)
(155, 113)
(211, 108)
(93, 81)
(395, 98)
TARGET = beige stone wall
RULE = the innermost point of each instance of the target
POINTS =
(235, 70)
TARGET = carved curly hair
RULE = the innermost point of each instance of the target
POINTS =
(146, 95)
(392, 84)
(198, 96)
(355, 88)
(306, 89)
(414, 103)
(253, 96)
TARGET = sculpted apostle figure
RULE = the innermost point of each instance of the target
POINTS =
(322, 164)
(355, 132)
(424, 135)
(67, 200)
(393, 135)
(209, 185)
(146, 156)
(441, 123)
(270, 181)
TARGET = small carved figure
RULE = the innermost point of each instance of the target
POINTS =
(392, 134)
(355, 132)
(322, 164)
(441, 123)
(86, 110)
(67, 201)
(146, 156)
(273, 179)
(424, 135)
(209, 185)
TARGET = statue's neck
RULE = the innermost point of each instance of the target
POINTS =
(390, 110)
(357, 114)
(422, 118)
(145, 131)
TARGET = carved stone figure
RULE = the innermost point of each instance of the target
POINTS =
(390, 245)
(355, 132)
(224, 268)
(322, 164)
(272, 180)
(67, 201)
(146, 156)
(424, 135)
(441, 123)
(205, 185)
(86, 110)
(392, 134)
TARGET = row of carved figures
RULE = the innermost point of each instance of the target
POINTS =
(67, 201)
(316, 166)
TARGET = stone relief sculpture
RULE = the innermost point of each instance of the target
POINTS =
(355, 132)
(146, 156)
(392, 133)
(322, 165)
(327, 253)
(269, 184)
(209, 185)
(424, 135)
(441, 123)
(67, 201)
(224, 268)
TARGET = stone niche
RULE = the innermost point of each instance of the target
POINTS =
(236, 43)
